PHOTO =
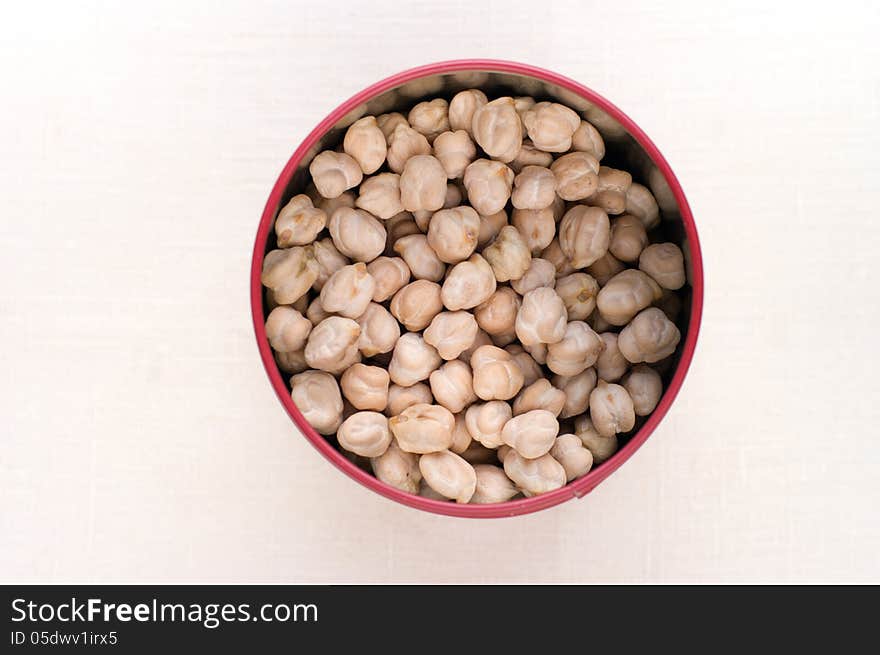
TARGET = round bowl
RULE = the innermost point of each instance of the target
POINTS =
(627, 146)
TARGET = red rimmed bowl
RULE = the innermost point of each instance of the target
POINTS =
(627, 147)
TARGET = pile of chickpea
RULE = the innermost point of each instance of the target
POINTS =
(457, 307)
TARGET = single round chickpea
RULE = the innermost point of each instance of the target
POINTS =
(578, 350)
(640, 202)
(664, 262)
(452, 233)
(611, 190)
(403, 144)
(611, 409)
(587, 138)
(451, 333)
(398, 468)
(330, 205)
(468, 284)
(553, 254)
(413, 360)
(605, 268)
(534, 476)
(577, 390)
(315, 312)
(584, 235)
(628, 238)
(625, 295)
(423, 184)
(551, 126)
(449, 475)
(380, 195)
(534, 187)
(423, 428)
(574, 457)
(399, 226)
(539, 395)
(529, 155)
(399, 398)
(349, 291)
(335, 172)
(485, 421)
(601, 447)
(611, 365)
(420, 257)
(461, 438)
(504, 338)
(298, 222)
(416, 304)
(357, 234)
(462, 108)
(289, 273)
(536, 226)
(522, 104)
(482, 339)
(578, 292)
(365, 142)
(542, 317)
(541, 273)
(391, 274)
(317, 397)
(329, 261)
(456, 151)
(379, 331)
(423, 219)
(333, 345)
(488, 184)
(497, 314)
(645, 387)
(389, 122)
(508, 255)
(365, 434)
(497, 128)
(577, 175)
(531, 370)
(497, 376)
(493, 486)
(291, 362)
(287, 329)
(366, 387)
(430, 117)
(452, 386)
(649, 337)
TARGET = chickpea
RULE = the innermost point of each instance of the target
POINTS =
(598, 323)
(335, 172)
(330, 205)
(420, 257)
(423, 184)
(301, 304)
(423, 219)
(416, 304)
(468, 284)
(578, 292)
(522, 104)
(366, 387)
(317, 397)
(287, 329)
(399, 398)
(645, 387)
(538, 351)
(605, 268)
(357, 234)
(403, 144)
(298, 222)
(504, 338)
(485, 421)
(349, 291)
(541, 318)
(601, 447)
(390, 274)
(398, 468)
(498, 313)
(553, 254)
(333, 345)
(315, 312)
(477, 453)
(493, 486)
(430, 118)
(649, 337)
(329, 261)
(380, 195)
(640, 202)
(451, 333)
(529, 155)
(577, 390)
(611, 409)
(290, 273)
(534, 187)
(502, 451)
(452, 386)
(574, 457)
(611, 365)
(539, 395)
(399, 226)
(534, 476)
(291, 362)
(577, 175)
(413, 360)
(497, 376)
(461, 438)
(488, 185)
(455, 151)
(587, 138)
(531, 370)
(379, 331)
(628, 238)
(625, 295)
(423, 428)
(664, 262)
(449, 475)
(365, 434)
(482, 339)
(389, 122)
(551, 126)
(365, 142)
(497, 128)
(584, 235)
(509, 255)
(536, 226)
(578, 350)
(462, 108)
(452, 233)
(611, 190)
(541, 273)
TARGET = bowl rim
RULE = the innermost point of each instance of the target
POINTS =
(579, 487)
